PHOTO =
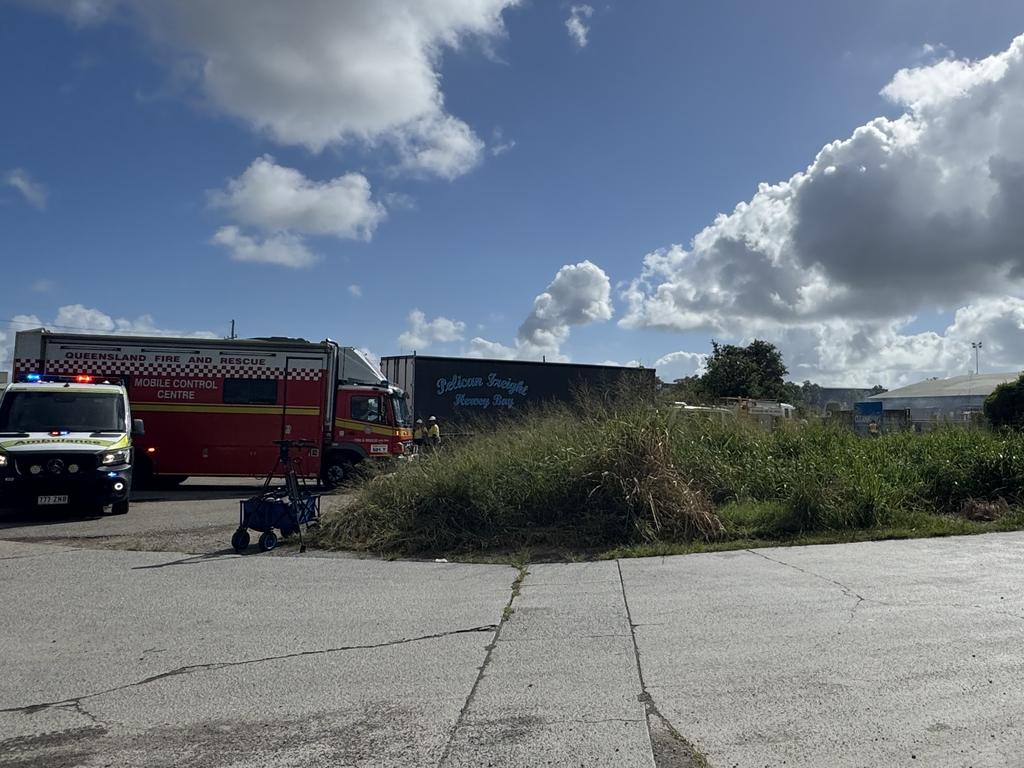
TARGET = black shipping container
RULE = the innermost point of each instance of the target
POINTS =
(456, 389)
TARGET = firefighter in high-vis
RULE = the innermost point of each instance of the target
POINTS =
(433, 433)
(420, 434)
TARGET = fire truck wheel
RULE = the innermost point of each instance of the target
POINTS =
(119, 508)
(268, 541)
(240, 540)
(335, 472)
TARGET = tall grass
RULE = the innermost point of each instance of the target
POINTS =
(625, 473)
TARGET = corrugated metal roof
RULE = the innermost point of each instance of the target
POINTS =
(957, 386)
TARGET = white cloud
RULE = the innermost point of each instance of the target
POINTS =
(284, 249)
(275, 199)
(933, 51)
(326, 73)
(906, 215)
(441, 146)
(481, 347)
(579, 294)
(423, 333)
(356, 290)
(576, 24)
(43, 285)
(81, 319)
(679, 365)
(287, 206)
(33, 192)
(499, 144)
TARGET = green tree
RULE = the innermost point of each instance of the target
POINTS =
(1005, 406)
(755, 370)
(876, 390)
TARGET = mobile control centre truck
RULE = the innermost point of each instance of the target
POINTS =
(66, 442)
(214, 407)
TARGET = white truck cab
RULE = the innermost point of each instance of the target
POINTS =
(66, 442)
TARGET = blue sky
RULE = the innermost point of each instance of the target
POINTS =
(128, 133)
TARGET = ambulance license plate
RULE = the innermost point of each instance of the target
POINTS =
(43, 500)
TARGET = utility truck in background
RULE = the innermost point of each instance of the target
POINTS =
(214, 407)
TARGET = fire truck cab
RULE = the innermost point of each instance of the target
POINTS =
(215, 407)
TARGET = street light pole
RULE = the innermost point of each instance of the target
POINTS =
(976, 346)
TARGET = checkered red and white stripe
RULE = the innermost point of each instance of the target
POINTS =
(145, 368)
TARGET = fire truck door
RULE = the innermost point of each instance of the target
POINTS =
(302, 409)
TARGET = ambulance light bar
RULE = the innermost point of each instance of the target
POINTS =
(81, 378)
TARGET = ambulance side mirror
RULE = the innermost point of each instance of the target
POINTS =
(138, 428)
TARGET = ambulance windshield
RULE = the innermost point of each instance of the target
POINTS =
(71, 411)
(402, 418)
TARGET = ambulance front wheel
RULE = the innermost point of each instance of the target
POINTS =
(119, 507)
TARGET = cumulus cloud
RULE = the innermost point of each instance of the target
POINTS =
(35, 194)
(907, 214)
(356, 290)
(284, 249)
(287, 206)
(276, 198)
(79, 318)
(579, 294)
(423, 333)
(679, 365)
(325, 73)
(576, 24)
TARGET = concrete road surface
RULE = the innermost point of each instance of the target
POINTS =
(881, 654)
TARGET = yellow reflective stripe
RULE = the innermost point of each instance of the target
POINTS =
(218, 408)
(362, 426)
(124, 442)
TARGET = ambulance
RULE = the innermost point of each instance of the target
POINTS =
(220, 407)
(66, 442)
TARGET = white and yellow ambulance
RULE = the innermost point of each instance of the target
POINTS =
(66, 442)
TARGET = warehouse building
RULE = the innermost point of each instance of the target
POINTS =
(927, 404)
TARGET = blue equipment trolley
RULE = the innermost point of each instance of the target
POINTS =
(288, 508)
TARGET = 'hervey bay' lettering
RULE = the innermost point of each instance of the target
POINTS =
(497, 401)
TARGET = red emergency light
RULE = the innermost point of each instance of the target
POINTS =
(83, 379)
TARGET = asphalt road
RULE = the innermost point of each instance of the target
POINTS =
(879, 654)
(197, 517)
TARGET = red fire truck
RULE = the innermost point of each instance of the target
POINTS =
(214, 407)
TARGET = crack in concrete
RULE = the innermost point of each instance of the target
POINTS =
(506, 614)
(669, 748)
(79, 708)
(75, 702)
(845, 589)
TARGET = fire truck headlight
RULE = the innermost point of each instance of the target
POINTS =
(115, 457)
(3, 459)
